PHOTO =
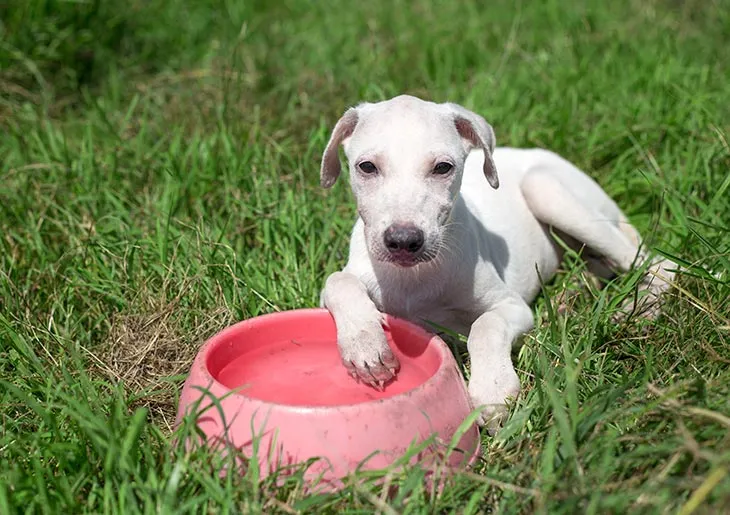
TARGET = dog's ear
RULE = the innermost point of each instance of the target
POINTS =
(330, 169)
(480, 134)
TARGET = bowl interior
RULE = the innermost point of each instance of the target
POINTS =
(291, 358)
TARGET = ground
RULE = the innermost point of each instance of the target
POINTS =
(160, 181)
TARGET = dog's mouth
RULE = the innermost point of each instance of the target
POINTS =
(403, 259)
(406, 259)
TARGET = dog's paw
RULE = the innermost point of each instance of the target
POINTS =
(647, 304)
(490, 392)
(367, 356)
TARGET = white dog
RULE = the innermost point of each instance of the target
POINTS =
(442, 238)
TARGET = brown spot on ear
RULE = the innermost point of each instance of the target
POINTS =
(466, 130)
(344, 128)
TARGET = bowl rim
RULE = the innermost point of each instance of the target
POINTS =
(444, 353)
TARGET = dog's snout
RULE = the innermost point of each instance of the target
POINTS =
(403, 238)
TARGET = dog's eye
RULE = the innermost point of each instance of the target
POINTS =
(368, 167)
(442, 168)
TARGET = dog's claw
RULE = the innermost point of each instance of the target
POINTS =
(368, 358)
(376, 376)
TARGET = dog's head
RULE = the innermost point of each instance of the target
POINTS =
(406, 159)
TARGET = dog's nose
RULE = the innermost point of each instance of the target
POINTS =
(403, 237)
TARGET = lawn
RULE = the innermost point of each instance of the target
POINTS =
(159, 180)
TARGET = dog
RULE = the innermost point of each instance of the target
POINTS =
(455, 232)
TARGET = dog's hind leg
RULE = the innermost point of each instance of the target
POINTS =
(560, 195)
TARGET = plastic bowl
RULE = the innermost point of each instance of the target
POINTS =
(283, 394)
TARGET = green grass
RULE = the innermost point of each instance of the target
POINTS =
(160, 181)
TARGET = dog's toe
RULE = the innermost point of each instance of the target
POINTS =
(368, 357)
(380, 373)
(351, 369)
(492, 395)
(646, 305)
(389, 361)
(375, 375)
(493, 417)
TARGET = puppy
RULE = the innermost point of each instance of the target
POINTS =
(454, 231)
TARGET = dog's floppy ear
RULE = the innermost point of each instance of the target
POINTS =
(479, 133)
(330, 169)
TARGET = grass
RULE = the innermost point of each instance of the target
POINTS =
(159, 181)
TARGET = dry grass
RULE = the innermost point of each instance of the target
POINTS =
(148, 350)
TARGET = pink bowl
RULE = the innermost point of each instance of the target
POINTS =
(284, 393)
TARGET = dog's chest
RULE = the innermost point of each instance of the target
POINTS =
(406, 303)
(422, 304)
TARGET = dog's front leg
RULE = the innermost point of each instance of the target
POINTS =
(360, 336)
(493, 378)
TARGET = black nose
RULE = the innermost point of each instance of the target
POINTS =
(403, 237)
